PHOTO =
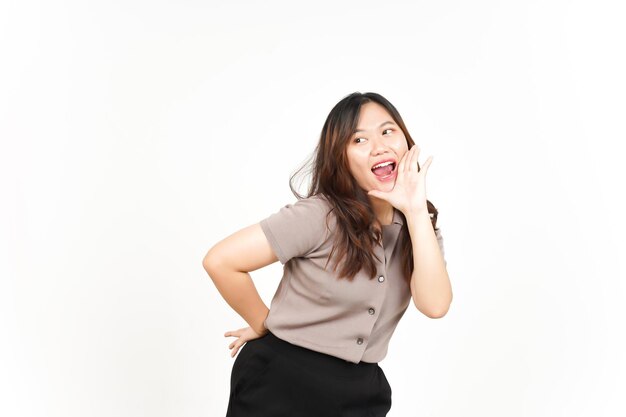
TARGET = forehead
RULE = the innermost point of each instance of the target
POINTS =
(372, 114)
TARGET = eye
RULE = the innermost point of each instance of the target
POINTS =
(355, 140)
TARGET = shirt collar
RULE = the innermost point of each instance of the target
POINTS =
(397, 217)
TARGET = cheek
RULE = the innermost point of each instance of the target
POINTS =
(403, 146)
(357, 164)
(401, 149)
(355, 170)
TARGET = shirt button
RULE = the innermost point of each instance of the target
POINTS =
(381, 278)
(371, 311)
(359, 341)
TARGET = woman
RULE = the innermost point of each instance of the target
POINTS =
(355, 251)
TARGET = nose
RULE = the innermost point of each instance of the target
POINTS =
(379, 145)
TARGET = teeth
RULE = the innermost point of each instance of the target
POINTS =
(383, 164)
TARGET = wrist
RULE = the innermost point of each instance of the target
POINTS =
(416, 213)
(262, 331)
(260, 328)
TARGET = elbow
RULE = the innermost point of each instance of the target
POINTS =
(210, 263)
(439, 311)
(206, 264)
(436, 314)
(431, 313)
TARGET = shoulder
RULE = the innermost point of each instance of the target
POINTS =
(298, 228)
(316, 205)
(318, 200)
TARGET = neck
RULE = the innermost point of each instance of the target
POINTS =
(383, 211)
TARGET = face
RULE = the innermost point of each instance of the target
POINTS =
(380, 139)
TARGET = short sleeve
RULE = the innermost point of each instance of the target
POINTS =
(297, 229)
(440, 241)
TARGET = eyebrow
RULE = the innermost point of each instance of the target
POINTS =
(381, 125)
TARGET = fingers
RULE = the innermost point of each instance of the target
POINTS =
(236, 333)
(409, 158)
(234, 351)
(400, 167)
(415, 151)
(235, 344)
(234, 347)
(413, 160)
(427, 163)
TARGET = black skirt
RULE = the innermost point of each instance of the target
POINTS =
(274, 378)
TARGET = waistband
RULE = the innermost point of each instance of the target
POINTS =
(317, 361)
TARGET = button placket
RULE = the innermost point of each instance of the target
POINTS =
(380, 294)
(383, 253)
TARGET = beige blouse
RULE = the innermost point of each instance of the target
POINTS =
(311, 308)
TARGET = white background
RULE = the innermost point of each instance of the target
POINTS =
(137, 134)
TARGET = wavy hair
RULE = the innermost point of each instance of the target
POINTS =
(331, 177)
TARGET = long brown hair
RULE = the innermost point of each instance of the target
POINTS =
(331, 177)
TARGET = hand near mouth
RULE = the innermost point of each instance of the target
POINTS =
(409, 192)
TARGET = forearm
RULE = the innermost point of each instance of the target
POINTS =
(238, 290)
(430, 284)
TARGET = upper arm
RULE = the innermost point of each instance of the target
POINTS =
(245, 250)
(296, 230)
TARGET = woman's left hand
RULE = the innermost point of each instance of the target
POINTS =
(243, 336)
(409, 192)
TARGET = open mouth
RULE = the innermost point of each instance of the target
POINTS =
(385, 170)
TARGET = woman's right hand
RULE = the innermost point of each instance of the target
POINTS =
(243, 335)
